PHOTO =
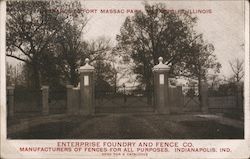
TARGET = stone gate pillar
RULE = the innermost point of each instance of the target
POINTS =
(69, 99)
(45, 100)
(239, 97)
(204, 97)
(180, 96)
(161, 87)
(86, 89)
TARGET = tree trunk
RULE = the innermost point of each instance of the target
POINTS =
(199, 92)
(36, 81)
(149, 91)
(148, 78)
(36, 84)
(73, 77)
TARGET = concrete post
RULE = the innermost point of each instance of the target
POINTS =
(75, 101)
(45, 100)
(172, 98)
(161, 87)
(87, 89)
(239, 100)
(204, 97)
(69, 99)
(180, 96)
(10, 99)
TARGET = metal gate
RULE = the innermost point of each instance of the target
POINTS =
(57, 101)
(191, 100)
(124, 100)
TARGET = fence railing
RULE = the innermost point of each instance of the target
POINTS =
(58, 101)
(30, 102)
(124, 96)
(46, 101)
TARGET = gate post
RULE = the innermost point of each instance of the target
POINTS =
(10, 99)
(239, 98)
(69, 99)
(45, 100)
(161, 87)
(180, 101)
(86, 89)
(204, 97)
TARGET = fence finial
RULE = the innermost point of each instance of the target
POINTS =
(160, 59)
(87, 60)
(161, 66)
(87, 67)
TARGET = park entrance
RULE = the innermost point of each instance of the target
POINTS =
(88, 99)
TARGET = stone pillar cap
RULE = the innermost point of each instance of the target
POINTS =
(69, 86)
(161, 66)
(45, 87)
(10, 87)
(87, 67)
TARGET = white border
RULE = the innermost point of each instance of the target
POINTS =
(2, 76)
(9, 148)
(247, 79)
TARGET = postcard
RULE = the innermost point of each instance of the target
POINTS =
(124, 79)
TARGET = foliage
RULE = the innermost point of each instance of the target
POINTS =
(105, 76)
(157, 32)
(33, 31)
(200, 59)
(148, 35)
(237, 67)
(31, 27)
(69, 43)
(101, 56)
(48, 37)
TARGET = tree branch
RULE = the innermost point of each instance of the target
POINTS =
(18, 58)
(21, 49)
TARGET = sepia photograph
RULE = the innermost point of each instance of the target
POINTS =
(119, 70)
(149, 79)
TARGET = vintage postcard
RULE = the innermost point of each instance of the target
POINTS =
(124, 79)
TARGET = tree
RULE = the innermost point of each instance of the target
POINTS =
(101, 56)
(156, 32)
(214, 81)
(105, 75)
(237, 66)
(147, 36)
(31, 30)
(74, 50)
(71, 48)
(199, 60)
(99, 49)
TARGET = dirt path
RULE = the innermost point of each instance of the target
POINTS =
(116, 127)
(130, 126)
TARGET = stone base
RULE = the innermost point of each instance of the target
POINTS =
(205, 110)
(163, 111)
(86, 112)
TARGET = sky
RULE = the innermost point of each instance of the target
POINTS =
(223, 27)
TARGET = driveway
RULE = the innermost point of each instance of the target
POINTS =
(131, 126)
